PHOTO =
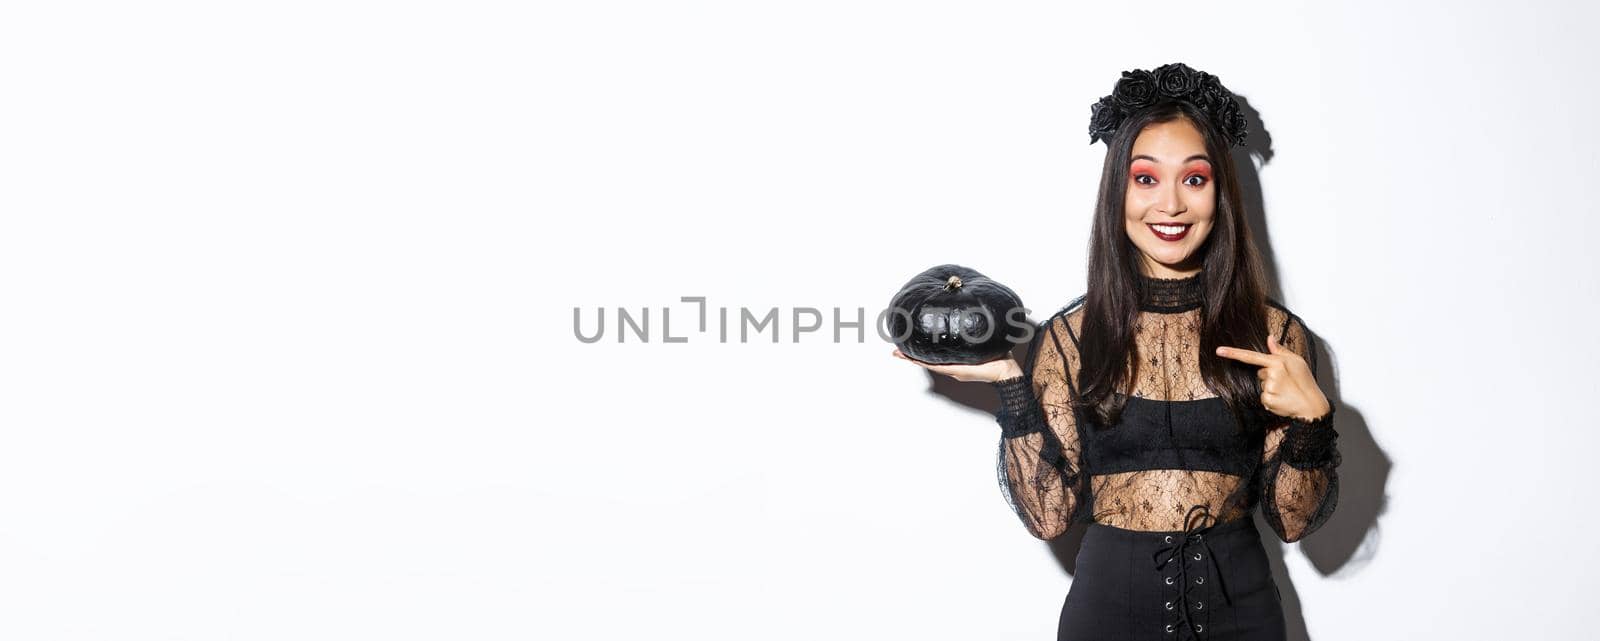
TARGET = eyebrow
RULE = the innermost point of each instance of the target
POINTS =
(1152, 158)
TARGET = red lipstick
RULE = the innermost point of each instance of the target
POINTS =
(1169, 237)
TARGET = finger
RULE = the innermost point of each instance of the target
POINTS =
(1246, 355)
(1273, 345)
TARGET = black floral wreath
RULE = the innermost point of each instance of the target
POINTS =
(1173, 81)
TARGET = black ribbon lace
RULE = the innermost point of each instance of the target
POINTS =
(1191, 543)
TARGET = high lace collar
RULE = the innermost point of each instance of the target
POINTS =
(1168, 295)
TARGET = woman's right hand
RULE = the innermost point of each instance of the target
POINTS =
(995, 370)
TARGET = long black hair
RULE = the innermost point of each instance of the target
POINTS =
(1233, 310)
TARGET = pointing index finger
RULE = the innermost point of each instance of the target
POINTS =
(1246, 355)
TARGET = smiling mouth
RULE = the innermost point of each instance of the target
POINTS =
(1169, 232)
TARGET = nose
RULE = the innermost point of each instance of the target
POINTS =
(1171, 202)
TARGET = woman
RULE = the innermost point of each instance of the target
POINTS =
(1173, 397)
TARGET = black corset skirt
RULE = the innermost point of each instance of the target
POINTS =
(1210, 584)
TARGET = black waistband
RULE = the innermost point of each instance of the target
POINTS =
(1243, 523)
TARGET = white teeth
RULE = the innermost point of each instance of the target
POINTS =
(1170, 229)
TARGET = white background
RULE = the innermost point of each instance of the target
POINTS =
(288, 295)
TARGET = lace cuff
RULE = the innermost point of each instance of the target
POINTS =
(1313, 444)
(1019, 413)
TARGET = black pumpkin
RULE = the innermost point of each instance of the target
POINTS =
(952, 314)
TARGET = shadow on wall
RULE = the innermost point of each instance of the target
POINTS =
(1350, 538)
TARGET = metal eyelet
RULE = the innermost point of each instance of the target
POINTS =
(1169, 627)
(1197, 556)
(1198, 605)
(1169, 605)
(1169, 580)
(1199, 580)
(1197, 627)
(1167, 538)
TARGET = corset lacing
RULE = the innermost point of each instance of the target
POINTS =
(1190, 544)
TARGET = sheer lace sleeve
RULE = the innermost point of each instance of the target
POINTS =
(1040, 452)
(1299, 482)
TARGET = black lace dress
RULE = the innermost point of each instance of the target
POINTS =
(1171, 551)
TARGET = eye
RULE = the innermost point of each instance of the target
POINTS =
(1139, 178)
(1200, 180)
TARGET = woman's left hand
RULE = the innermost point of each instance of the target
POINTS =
(1288, 388)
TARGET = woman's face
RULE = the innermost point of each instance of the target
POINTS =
(1170, 200)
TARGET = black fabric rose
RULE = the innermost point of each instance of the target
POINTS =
(1209, 93)
(1104, 116)
(1229, 121)
(1224, 114)
(1136, 89)
(1176, 79)
(1238, 128)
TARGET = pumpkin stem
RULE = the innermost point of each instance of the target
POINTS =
(953, 283)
